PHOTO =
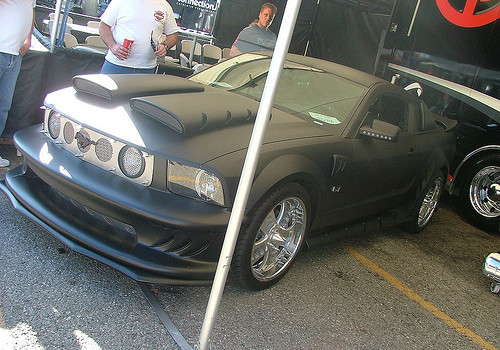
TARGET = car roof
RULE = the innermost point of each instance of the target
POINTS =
(349, 73)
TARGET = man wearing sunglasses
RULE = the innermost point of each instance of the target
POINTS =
(136, 33)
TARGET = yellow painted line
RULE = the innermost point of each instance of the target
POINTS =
(457, 326)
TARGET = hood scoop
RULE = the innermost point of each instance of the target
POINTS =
(124, 86)
(193, 114)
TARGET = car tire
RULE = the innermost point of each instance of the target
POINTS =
(479, 191)
(427, 203)
(268, 246)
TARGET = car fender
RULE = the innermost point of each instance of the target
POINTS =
(288, 168)
(477, 153)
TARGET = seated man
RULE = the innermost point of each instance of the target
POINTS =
(257, 35)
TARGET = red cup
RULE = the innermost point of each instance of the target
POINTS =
(127, 43)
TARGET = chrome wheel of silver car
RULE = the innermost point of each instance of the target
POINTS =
(277, 228)
(480, 191)
(278, 239)
(484, 192)
(430, 202)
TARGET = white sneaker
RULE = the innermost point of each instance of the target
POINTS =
(4, 163)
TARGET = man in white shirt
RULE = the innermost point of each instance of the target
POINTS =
(16, 27)
(149, 23)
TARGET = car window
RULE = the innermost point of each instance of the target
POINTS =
(390, 109)
(310, 93)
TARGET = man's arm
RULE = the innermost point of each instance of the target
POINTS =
(107, 36)
(234, 51)
(170, 41)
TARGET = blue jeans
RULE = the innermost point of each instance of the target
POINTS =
(110, 68)
(10, 65)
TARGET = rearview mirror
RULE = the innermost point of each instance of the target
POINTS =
(381, 130)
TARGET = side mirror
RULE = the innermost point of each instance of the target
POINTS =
(381, 130)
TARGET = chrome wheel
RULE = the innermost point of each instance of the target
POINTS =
(430, 202)
(278, 239)
(484, 192)
(272, 238)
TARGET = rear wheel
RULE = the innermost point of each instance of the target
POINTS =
(480, 192)
(427, 204)
(267, 248)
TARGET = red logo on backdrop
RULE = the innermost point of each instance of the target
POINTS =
(469, 16)
(159, 16)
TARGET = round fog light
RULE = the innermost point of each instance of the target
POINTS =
(103, 150)
(131, 161)
(54, 124)
(68, 133)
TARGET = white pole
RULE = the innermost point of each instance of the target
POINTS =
(55, 26)
(413, 19)
(248, 172)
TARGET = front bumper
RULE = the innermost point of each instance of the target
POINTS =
(148, 234)
(491, 266)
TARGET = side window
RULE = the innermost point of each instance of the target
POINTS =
(390, 109)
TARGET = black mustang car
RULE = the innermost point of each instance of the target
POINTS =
(140, 172)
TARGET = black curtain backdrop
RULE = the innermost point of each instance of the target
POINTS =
(42, 73)
(28, 95)
(303, 27)
(347, 35)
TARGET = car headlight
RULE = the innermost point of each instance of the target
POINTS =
(194, 182)
(54, 124)
(131, 161)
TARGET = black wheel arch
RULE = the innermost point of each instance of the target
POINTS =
(466, 164)
(289, 169)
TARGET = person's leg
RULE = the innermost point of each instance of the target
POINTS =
(144, 70)
(110, 68)
(10, 65)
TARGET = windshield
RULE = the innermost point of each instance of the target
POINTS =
(304, 91)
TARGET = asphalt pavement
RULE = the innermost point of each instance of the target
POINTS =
(389, 290)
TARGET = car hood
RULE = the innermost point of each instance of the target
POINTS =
(177, 118)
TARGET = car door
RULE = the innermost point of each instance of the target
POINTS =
(378, 174)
